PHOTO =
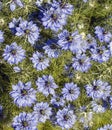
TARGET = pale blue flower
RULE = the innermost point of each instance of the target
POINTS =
(15, 3)
(40, 61)
(24, 121)
(42, 112)
(23, 94)
(13, 53)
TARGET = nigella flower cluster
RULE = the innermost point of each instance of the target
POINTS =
(24, 28)
(55, 17)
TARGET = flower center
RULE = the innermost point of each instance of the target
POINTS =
(66, 117)
(69, 38)
(13, 52)
(81, 61)
(23, 92)
(25, 123)
(42, 112)
(27, 31)
(53, 46)
(41, 59)
(71, 91)
(54, 17)
(47, 83)
(95, 88)
(100, 51)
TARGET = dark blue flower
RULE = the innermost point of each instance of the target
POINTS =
(46, 85)
(24, 121)
(15, 3)
(54, 19)
(70, 91)
(81, 63)
(40, 62)
(100, 54)
(102, 35)
(13, 53)
(23, 94)
(66, 118)
(98, 89)
(51, 49)
(1, 36)
(42, 112)
(28, 29)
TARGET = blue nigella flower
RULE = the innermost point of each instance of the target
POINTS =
(24, 121)
(72, 42)
(57, 101)
(110, 47)
(46, 85)
(51, 48)
(100, 54)
(106, 127)
(14, 24)
(81, 63)
(1, 36)
(13, 53)
(15, 3)
(66, 118)
(98, 89)
(23, 94)
(40, 62)
(70, 91)
(102, 35)
(28, 29)
(64, 6)
(98, 106)
(54, 19)
(42, 112)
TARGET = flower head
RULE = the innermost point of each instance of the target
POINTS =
(100, 54)
(65, 118)
(15, 3)
(57, 101)
(40, 62)
(102, 35)
(81, 63)
(70, 91)
(51, 48)
(30, 30)
(13, 53)
(53, 19)
(42, 112)
(72, 42)
(98, 89)
(23, 94)
(24, 121)
(46, 85)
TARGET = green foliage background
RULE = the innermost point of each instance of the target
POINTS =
(84, 18)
